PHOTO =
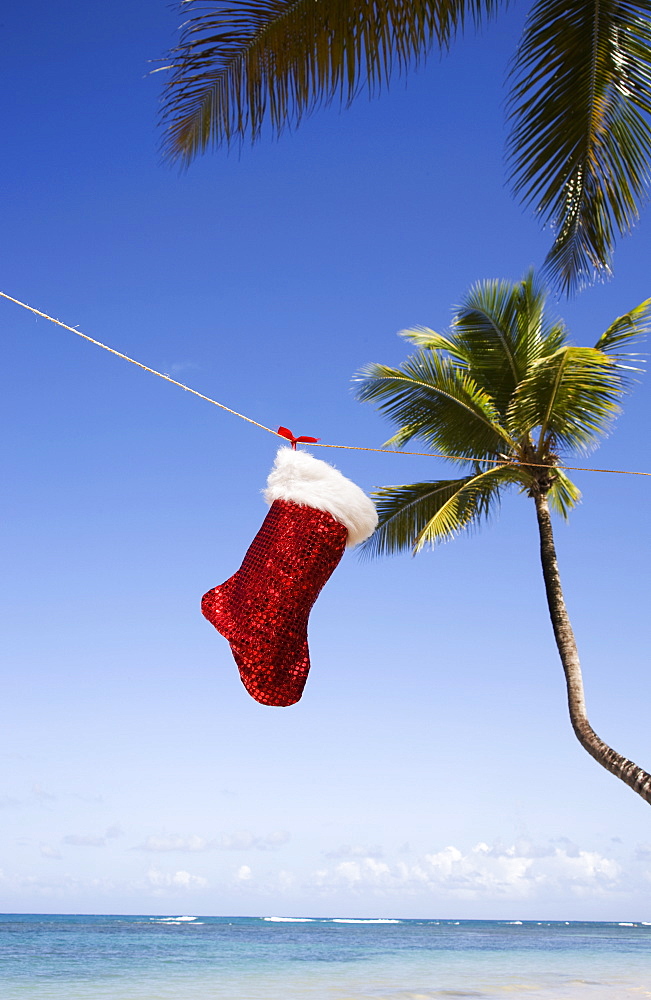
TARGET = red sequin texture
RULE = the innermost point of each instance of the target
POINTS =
(263, 609)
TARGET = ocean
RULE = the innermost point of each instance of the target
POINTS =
(188, 957)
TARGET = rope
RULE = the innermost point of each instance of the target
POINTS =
(493, 461)
(124, 357)
(347, 447)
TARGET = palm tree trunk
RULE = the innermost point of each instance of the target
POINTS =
(632, 775)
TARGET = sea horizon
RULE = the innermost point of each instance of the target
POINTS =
(304, 916)
(283, 957)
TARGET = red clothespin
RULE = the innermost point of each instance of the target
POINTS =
(286, 433)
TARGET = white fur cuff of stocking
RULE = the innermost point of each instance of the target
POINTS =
(300, 478)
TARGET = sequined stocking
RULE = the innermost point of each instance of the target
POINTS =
(263, 609)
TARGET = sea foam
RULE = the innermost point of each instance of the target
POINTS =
(357, 920)
(290, 920)
(172, 920)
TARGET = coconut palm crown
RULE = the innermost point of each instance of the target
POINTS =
(580, 101)
(504, 393)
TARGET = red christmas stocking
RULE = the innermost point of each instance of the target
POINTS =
(263, 609)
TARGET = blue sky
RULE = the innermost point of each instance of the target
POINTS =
(430, 769)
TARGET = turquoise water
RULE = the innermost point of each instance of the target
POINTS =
(271, 958)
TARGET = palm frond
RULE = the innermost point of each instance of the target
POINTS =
(239, 61)
(421, 514)
(581, 137)
(563, 495)
(569, 399)
(625, 330)
(498, 331)
(486, 328)
(432, 398)
(539, 334)
(501, 328)
(423, 337)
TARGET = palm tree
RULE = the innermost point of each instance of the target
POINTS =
(505, 393)
(580, 104)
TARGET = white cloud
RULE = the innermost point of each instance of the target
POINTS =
(83, 840)
(181, 879)
(366, 870)
(243, 873)
(515, 872)
(245, 841)
(275, 839)
(356, 851)
(174, 843)
(286, 880)
(92, 840)
(241, 841)
(52, 887)
(41, 794)
(181, 366)
(49, 852)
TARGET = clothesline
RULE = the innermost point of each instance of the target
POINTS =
(270, 430)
